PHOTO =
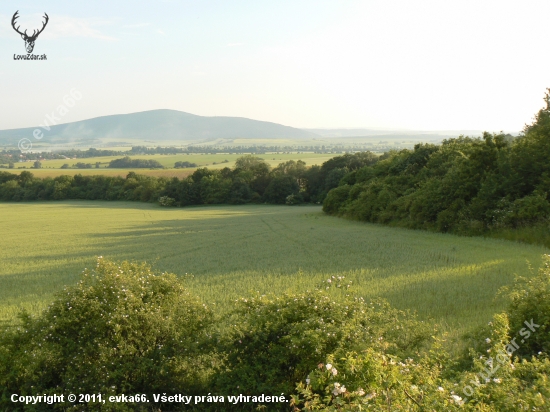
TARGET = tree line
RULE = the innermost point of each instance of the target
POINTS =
(465, 185)
(251, 180)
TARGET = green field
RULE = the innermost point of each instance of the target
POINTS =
(52, 168)
(233, 251)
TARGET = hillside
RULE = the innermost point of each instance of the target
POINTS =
(157, 126)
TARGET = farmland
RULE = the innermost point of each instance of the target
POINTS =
(234, 251)
(52, 168)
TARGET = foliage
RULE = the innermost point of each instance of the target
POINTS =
(529, 312)
(121, 329)
(466, 185)
(276, 340)
(179, 165)
(124, 329)
(167, 201)
(376, 380)
(127, 161)
(251, 181)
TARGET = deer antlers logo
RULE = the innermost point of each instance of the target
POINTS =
(29, 40)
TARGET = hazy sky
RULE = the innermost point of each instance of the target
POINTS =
(304, 63)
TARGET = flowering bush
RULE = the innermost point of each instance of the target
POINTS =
(374, 380)
(125, 330)
(276, 340)
(121, 329)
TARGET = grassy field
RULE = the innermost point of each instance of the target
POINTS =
(233, 251)
(52, 168)
(42, 173)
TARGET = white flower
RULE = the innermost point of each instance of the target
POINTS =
(334, 372)
(370, 396)
(329, 281)
(360, 392)
(457, 399)
(440, 389)
(328, 366)
(488, 340)
(338, 389)
(414, 387)
(308, 381)
(497, 380)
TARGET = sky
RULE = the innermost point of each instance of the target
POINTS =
(393, 64)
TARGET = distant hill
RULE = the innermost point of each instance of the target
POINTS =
(157, 126)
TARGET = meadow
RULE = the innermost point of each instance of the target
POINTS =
(229, 252)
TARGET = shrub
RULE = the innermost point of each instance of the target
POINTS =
(530, 302)
(336, 199)
(121, 329)
(167, 201)
(294, 199)
(278, 340)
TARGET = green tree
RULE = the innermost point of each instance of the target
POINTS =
(280, 188)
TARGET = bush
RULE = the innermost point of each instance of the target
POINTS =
(336, 199)
(128, 162)
(167, 201)
(121, 329)
(278, 340)
(294, 199)
(529, 312)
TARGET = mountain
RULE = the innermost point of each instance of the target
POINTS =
(157, 126)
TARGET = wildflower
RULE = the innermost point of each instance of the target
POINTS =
(440, 389)
(488, 340)
(360, 392)
(329, 281)
(370, 396)
(329, 366)
(338, 389)
(308, 380)
(457, 399)
(497, 380)
(334, 372)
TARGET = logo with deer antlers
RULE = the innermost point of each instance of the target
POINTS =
(29, 40)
